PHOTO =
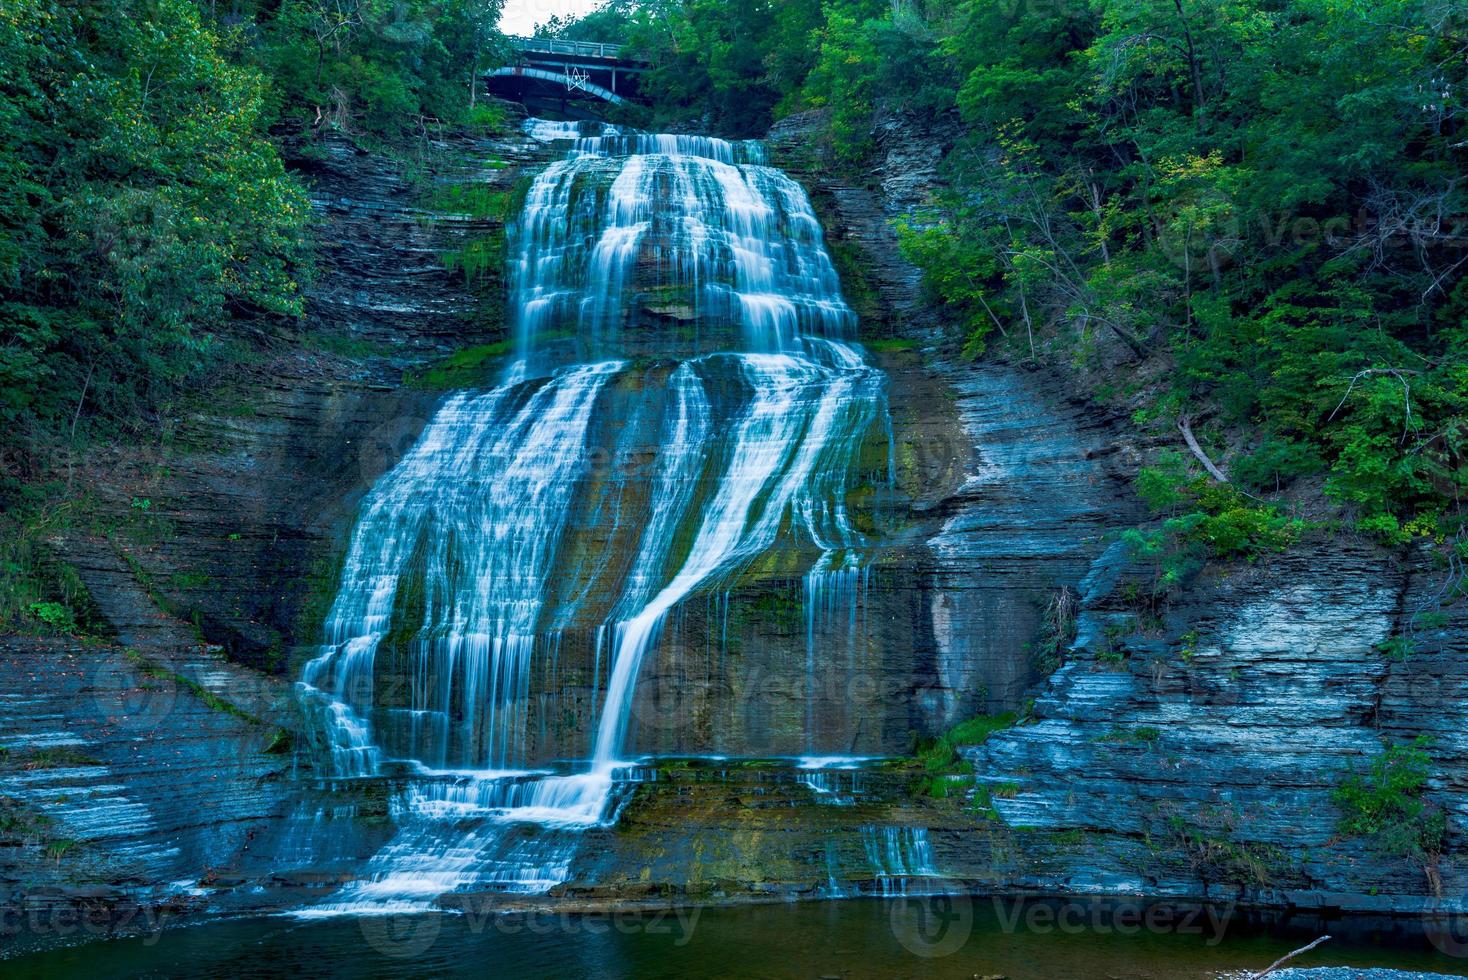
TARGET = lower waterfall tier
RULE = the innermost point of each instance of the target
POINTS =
(515, 567)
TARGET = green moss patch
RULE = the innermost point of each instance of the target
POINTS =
(467, 368)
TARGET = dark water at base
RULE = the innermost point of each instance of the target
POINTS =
(927, 937)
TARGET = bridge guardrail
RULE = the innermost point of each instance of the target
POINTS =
(578, 49)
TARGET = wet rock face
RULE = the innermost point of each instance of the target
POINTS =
(161, 762)
(1032, 514)
(1016, 483)
(383, 276)
(237, 520)
(1196, 756)
(262, 485)
(1222, 735)
(118, 780)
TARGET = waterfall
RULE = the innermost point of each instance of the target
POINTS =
(736, 248)
(479, 503)
(677, 314)
(900, 857)
(835, 780)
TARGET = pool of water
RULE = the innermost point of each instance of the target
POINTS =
(935, 937)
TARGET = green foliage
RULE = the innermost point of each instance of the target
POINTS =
(1144, 735)
(475, 200)
(1265, 195)
(939, 760)
(38, 592)
(986, 793)
(59, 757)
(1242, 147)
(723, 64)
(331, 343)
(976, 731)
(1207, 842)
(381, 68)
(1386, 803)
(875, 54)
(319, 585)
(214, 702)
(1057, 630)
(58, 849)
(611, 23)
(1204, 519)
(462, 369)
(1398, 648)
(480, 257)
(282, 742)
(144, 214)
(960, 272)
(54, 615)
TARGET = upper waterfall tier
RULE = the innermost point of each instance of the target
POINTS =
(656, 244)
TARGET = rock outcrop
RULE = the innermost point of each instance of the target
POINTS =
(132, 771)
(1198, 754)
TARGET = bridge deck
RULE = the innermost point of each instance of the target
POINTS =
(573, 49)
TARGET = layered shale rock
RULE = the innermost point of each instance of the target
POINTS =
(1201, 756)
(125, 780)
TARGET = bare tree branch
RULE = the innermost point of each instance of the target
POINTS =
(1185, 426)
(1287, 957)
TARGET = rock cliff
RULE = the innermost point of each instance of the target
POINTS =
(1196, 750)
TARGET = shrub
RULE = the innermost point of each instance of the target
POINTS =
(1387, 805)
(1206, 519)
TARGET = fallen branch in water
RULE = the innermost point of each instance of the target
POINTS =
(1287, 957)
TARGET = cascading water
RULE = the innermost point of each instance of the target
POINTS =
(501, 531)
(902, 859)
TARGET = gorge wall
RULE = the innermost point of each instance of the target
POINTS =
(1193, 754)
(1196, 753)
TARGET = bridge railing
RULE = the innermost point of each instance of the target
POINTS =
(576, 49)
